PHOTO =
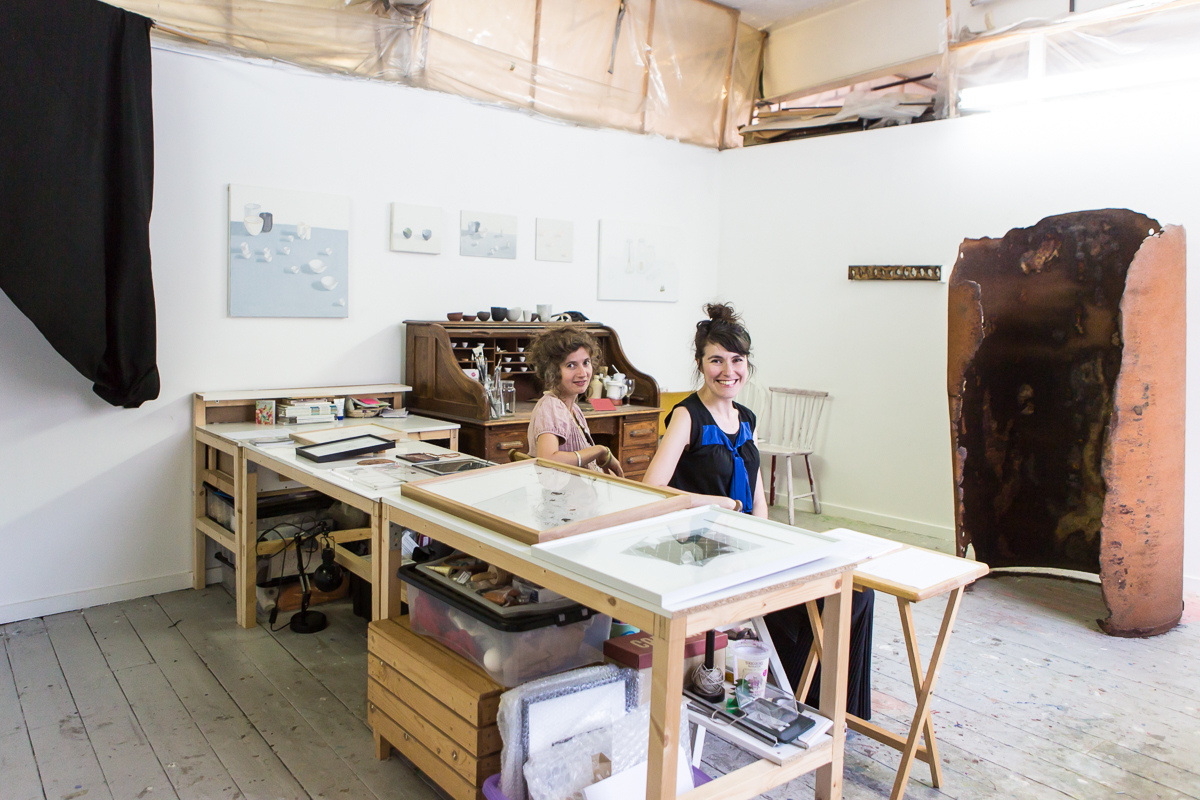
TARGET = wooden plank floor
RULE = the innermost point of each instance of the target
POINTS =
(164, 697)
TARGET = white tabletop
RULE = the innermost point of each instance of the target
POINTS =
(240, 432)
(286, 454)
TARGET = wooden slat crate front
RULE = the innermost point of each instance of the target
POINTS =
(434, 706)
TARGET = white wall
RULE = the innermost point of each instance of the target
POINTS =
(94, 502)
(795, 215)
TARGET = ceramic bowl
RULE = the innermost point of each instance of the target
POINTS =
(317, 266)
(455, 316)
(514, 314)
(484, 316)
(468, 317)
(499, 313)
(329, 282)
(508, 358)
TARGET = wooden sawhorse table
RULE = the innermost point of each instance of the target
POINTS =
(911, 575)
(670, 628)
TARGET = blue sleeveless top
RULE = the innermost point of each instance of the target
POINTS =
(714, 462)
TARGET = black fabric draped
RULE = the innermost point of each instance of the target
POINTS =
(76, 184)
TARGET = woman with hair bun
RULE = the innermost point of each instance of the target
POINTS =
(564, 359)
(709, 451)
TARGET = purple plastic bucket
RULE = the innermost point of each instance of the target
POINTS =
(491, 787)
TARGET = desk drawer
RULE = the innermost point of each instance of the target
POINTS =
(503, 441)
(634, 461)
(639, 433)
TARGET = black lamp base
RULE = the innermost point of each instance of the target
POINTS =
(308, 622)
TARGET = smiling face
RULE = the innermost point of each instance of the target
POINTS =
(724, 372)
(575, 373)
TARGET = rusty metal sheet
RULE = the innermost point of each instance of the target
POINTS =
(1037, 358)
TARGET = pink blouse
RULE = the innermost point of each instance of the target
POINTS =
(551, 415)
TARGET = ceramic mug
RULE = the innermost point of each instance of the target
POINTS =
(544, 311)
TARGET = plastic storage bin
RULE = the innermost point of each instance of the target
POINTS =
(514, 650)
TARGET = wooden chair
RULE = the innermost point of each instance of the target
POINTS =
(790, 431)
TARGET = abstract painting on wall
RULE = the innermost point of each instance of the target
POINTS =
(554, 240)
(288, 253)
(416, 229)
(487, 235)
(637, 262)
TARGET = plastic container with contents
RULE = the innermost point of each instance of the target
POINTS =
(514, 649)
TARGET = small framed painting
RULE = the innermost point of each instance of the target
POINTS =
(673, 559)
(416, 229)
(539, 501)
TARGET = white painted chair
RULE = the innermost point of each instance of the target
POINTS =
(789, 431)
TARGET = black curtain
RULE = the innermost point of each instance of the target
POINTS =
(76, 183)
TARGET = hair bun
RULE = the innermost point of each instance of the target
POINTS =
(722, 312)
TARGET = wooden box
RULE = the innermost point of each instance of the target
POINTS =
(434, 706)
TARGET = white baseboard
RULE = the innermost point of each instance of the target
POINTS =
(940, 532)
(1191, 585)
(74, 601)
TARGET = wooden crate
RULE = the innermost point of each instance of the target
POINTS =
(434, 706)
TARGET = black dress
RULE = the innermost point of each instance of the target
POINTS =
(717, 463)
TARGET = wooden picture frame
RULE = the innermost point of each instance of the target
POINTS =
(659, 500)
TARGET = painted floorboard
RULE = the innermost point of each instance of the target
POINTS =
(66, 761)
(17, 764)
(130, 766)
(301, 748)
(249, 760)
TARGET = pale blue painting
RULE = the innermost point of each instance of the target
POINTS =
(487, 235)
(288, 253)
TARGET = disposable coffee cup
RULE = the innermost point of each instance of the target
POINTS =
(751, 660)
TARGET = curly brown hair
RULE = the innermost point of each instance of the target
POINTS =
(550, 349)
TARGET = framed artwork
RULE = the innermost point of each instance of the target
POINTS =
(344, 448)
(672, 559)
(487, 235)
(637, 261)
(554, 240)
(539, 501)
(416, 229)
(288, 253)
(323, 435)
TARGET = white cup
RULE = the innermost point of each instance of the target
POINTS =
(544, 311)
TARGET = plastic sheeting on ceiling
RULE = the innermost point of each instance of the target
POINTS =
(683, 69)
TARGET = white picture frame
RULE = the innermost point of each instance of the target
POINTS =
(416, 229)
(638, 261)
(554, 240)
(485, 235)
(288, 253)
(674, 558)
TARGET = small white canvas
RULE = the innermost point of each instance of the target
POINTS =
(487, 235)
(638, 261)
(555, 240)
(671, 559)
(416, 229)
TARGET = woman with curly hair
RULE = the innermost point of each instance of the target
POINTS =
(564, 360)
